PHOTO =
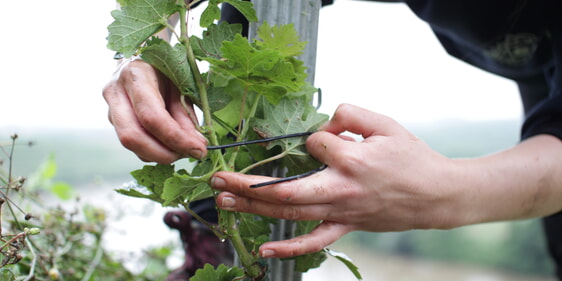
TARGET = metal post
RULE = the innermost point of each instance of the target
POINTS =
(304, 15)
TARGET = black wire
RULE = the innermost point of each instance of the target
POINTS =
(295, 177)
(212, 147)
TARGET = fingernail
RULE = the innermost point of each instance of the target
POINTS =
(201, 136)
(218, 183)
(228, 203)
(267, 253)
(196, 153)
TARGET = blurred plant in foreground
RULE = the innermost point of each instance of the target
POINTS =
(45, 241)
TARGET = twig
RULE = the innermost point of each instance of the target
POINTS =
(95, 262)
(31, 274)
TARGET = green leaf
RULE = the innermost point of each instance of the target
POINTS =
(136, 21)
(263, 71)
(180, 188)
(135, 190)
(313, 260)
(172, 62)
(254, 229)
(221, 273)
(210, 14)
(62, 190)
(284, 39)
(347, 261)
(289, 117)
(246, 8)
(153, 177)
(48, 169)
(210, 45)
(6, 274)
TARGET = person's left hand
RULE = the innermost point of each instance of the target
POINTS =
(391, 181)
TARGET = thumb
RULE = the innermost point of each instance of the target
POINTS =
(363, 122)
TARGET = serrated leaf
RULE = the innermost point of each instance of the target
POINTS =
(210, 45)
(263, 71)
(180, 188)
(306, 262)
(253, 225)
(246, 8)
(283, 38)
(172, 62)
(153, 177)
(347, 261)
(136, 21)
(135, 190)
(210, 14)
(221, 273)
(289, 117)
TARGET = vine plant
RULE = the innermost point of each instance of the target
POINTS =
(252, 90)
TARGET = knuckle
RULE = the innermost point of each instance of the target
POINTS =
(108, 90)
(284, 194)
(128, 139)
(291, 213)
(149, 119)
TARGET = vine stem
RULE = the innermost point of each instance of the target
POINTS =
(31, 274)
(247, 259)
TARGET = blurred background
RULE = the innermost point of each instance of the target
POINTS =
(376, 55)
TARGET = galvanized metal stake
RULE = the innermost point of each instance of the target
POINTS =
(304, 15)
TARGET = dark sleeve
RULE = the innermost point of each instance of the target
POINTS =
(542, 95)
(542, 103)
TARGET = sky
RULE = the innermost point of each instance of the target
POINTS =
(379, 56)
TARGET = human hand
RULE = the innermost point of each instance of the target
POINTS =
(391, 181)
(148, 116)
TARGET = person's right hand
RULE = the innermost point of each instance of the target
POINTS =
(148, 116)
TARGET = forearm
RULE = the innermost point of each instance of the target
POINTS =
(522, 182)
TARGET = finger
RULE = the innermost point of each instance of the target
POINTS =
(361, 121)
(129, 130)
(309, 190)
(230, 202)
(323, 235)
(331, 149)
(153, 115)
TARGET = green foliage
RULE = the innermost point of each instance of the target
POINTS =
(172, 63)
(136, 21)
(221, 273)
(253, 89)
(41, 242)
(347, 261)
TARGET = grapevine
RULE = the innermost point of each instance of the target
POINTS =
(253, 90)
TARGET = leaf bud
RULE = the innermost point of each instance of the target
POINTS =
(32, 231)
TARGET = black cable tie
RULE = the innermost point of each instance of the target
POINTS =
(295, 177)
(212, 147)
